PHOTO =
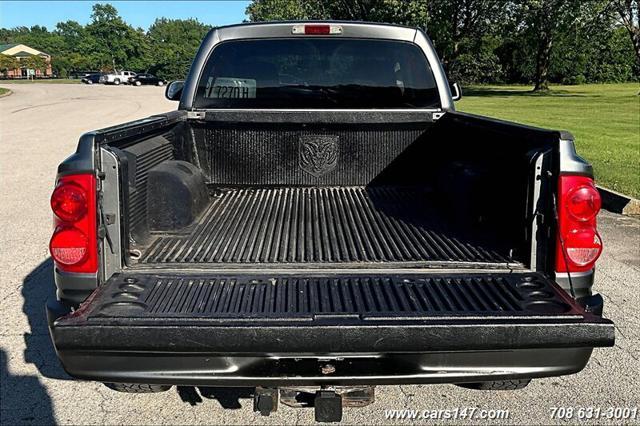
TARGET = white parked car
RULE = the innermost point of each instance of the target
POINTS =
(121, 77)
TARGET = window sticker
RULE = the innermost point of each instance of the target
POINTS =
(230, 88)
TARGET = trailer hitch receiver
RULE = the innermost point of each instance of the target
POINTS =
(328, 406)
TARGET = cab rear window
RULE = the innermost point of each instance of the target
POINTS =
(317, 73)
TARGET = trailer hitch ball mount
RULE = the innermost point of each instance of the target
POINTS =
(327, 401)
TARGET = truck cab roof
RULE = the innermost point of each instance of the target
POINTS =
(284, 29)
(292, 30)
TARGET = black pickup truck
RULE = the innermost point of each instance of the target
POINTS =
(316, 219)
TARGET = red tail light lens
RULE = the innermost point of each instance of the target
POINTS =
(583, 246)
(578, 205)
(317, 29)
(69, 246)
(68, 202)
(583, 202)
(74, 244)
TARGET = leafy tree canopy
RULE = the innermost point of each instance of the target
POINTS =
(519, 41)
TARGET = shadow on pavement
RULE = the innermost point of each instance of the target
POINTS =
(228, 398)
(37, 287)
(24, 399)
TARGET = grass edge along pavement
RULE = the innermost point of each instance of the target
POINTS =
(604, 118)
(5, 92)
(42, 80)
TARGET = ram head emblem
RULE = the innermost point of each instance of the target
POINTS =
(318, 154)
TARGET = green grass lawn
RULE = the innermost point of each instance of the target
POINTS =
(43, 80)
(604, 118)
(4, 91)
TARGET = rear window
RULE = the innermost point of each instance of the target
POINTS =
(317, 73)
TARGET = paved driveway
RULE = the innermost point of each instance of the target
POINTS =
(40, 125)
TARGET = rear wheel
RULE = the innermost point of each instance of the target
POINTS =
(498, 385)
(116, 81)
(137, 388)
(161, 83)
(137, 83)
(89, 82)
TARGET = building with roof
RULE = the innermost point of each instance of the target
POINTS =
(21, 52)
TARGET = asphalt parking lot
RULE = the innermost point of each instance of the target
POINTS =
(40, 125)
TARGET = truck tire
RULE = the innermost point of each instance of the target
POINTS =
(116, 81)
(498, 385)
(137, 388)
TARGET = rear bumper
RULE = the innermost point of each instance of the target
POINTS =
(289, 370)
(220, 355)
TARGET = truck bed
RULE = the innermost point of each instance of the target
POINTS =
(326, 225)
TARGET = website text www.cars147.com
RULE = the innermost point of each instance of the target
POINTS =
(459, 413)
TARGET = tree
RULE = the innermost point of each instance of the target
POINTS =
(173, 44)
(8, 63)
(277, 10)
(410, 12)
(465, 34)
(628, 12)
(75, 37)
(34, 62)
(539, 24)
(140, 57)
(543, 19)
(66, 63)
(116, 42)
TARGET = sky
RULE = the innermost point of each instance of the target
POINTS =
(137, 13)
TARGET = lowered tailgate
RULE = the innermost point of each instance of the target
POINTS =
(314, 314)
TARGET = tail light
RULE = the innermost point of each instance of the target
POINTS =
(579, 244)
(69, 202)
(74, 244)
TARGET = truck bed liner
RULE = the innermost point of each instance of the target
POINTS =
(321, 225)
(287, 296)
